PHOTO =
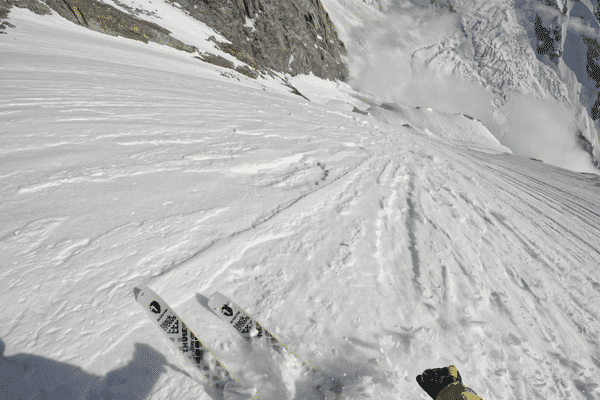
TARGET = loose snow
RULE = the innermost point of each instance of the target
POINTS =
(375, 246)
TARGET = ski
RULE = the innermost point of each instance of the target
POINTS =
(192, 349)
(252, 331)
(247, 326)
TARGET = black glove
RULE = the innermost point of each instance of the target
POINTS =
(434, 380)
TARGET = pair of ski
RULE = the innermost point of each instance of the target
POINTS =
(197, 353)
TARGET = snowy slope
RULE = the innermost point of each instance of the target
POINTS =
(374, 245)
(477, 60)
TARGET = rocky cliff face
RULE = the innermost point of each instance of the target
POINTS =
(100, 17)
(5, 6)
(565, 34)
(289, 36)
(104, 18)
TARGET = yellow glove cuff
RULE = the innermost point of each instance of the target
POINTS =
(456, 391)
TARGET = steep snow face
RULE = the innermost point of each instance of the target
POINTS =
(479, 59)
(373, 245)
(580, 22)
(564, 37)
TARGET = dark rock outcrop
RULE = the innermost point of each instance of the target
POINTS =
(225, 63)
(587, 146)
(291, 36)
(4, 11)
(549, 38)
(99, 17)
(32, 5)
(107, 19)
(445, 4)
(6, 5)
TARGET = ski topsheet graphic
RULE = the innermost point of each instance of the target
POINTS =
(247, 326)
(252, 331)
(193, 350)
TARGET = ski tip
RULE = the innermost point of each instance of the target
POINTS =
(146, 291)
(216, 299)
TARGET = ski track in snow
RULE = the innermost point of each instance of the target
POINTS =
(372, 249)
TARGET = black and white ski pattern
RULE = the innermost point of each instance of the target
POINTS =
(247, 326)
(252, 331)
(192, 349)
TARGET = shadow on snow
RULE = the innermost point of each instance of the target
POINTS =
(25, 376)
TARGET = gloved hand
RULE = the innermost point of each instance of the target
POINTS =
(434, 380)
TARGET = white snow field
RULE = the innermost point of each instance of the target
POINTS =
(375, 246)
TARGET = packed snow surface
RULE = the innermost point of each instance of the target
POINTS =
(375, 246)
